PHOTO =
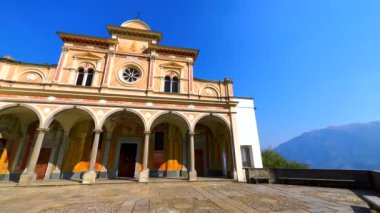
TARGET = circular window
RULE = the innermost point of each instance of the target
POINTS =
(130, 75)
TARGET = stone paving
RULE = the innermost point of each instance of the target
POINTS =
(180, 197)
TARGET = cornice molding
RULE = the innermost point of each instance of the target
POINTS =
(194, 99)
(5, 60)
(84, 39)
(174, 50)
(127, 31)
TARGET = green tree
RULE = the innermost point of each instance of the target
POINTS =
(271, 159)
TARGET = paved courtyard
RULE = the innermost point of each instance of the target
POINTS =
(180, 197)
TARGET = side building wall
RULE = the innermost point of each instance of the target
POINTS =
(248, 132)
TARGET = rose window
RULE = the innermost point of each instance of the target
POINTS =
(131, 75)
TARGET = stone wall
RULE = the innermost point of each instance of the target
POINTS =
(376, 179)
(363, 178)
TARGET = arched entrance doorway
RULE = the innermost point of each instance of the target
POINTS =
(168, 146)
(18, 125)
(74, 145)
(122, 149)
(212, 148)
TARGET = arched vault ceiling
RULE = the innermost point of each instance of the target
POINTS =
(173, 119)
(69, 118)
(25, 115)
(216, 125)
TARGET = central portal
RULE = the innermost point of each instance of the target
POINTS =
(127, 160)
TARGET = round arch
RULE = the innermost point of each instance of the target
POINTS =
(112, 112)
(83, 65)
(38, 72)
(60, 110)
(217, 116)
(30, 107)
(209, 86)
(213, 132)
(157, 116)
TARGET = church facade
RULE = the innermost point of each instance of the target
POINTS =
(121, 107)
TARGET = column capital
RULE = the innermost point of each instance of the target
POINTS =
(147, 132)
(65, 49)
(191, 133)
(98, 130)
(42, 129)
(111, 53)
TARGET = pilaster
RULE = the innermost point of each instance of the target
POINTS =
(61, 64)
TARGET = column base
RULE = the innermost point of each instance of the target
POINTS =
(144, 176)
(235, 175)
(89, 177)
(241, 176)
(184, 173)
(103, 172)
(26, 179)
(56, 174)
(192, 175)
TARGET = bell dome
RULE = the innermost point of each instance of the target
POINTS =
(136, 24)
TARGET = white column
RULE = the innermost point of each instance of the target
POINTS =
(57, 171)
(184, 157)
(89, 177)
(20, 147)
(106, 155)
(192, 172)
(224, 159)
(144, 174)
(30, 175)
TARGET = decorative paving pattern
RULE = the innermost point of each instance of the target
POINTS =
(270, 203)
(183, 205)
(335, 195)
(94, 207)
(176, 197)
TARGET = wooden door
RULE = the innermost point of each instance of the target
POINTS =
(127, 160)
(42, 162)
(199, 162)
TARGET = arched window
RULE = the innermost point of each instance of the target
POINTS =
(167, 84)
(85, 77)
(171, 84)
(80, 76)
(175, 84)
(90, 75)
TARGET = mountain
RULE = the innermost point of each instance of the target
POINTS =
(353, 146)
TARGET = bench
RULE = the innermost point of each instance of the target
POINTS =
(317, 180)
(373, 202)
(256, 175)
(256, 179)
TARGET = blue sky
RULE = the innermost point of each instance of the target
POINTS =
(309, 64)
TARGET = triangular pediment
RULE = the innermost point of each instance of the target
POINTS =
(87, 56)
(172, 65)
